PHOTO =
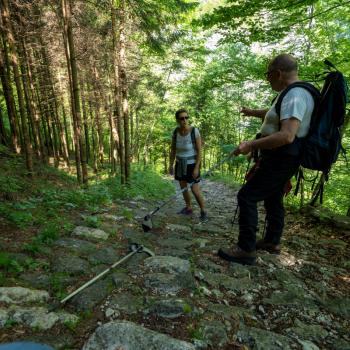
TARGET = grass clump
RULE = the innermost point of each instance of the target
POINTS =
(144, 184)
(8, 264)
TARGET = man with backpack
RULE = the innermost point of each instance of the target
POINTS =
(280, 148)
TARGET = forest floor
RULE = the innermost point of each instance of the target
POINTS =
(184, 297)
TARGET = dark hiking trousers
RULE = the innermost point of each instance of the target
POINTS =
(267, 184)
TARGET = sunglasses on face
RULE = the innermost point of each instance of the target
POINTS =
(183, 118)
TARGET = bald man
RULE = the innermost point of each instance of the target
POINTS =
(280, 148)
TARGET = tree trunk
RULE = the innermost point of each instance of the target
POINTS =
(3, 135)
(35, 110)
(72, 121)
(124, 87)
(59, 136)
(98, 115)
(66, 9)
(14, 61)
(117, 120)
(94, 140)
(65, 123)
(27, 95)
(8, 93)
(85, 123)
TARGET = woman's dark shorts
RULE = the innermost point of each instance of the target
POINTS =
(188, 177)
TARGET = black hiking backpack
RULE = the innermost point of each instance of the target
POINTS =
(322, 144)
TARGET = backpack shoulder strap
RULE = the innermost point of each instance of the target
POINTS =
(193, 136)
(174, 137)
(175, 132)
(303, 84)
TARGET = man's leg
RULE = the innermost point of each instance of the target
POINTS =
(268, 180)
(248, 197)
(274, 218)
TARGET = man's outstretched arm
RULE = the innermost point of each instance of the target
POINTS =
(289, 128)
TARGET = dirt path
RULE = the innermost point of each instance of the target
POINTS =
(185, 294)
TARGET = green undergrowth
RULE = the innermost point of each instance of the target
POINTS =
(52, 197)
(41, 208)
(336, 189)
(145, 183)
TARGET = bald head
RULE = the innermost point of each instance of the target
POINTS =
(284, 62)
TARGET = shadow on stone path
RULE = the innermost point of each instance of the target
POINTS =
(185, 297)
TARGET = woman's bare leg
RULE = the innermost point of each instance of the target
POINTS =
(198, 195)
(186, 195)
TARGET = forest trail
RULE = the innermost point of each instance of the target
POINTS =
(185, 297)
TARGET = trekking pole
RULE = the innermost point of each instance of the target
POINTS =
(147, 221)
(244, 181)
(135, 248)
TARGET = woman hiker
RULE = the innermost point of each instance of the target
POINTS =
(186, 146)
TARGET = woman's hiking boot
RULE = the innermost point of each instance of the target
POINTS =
(238, 255)
(267, 246)
(186, 211)
(204, 216)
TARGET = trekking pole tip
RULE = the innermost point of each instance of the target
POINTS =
(53, 307)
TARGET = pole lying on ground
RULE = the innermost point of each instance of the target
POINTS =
(135, 249)
(147, 220)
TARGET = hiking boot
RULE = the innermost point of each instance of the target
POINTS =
(203, 217)
(269, 247)
(186, 211)
(237, 255)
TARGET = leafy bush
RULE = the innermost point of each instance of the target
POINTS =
(20, 218)
(146, 183)
(8, 264)
(92, 221)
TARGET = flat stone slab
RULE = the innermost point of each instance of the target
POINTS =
(167, 264)
(114, 218)
(175, 243)
(69, 264)
(259, 339)
(130, 336)
(126, 303)
(90, 233)
(4, 316)
(36, 279)
(220, 279)
(338, 306)
(309, 331)
(229, 312)
(179, 253)
(169, 308)
(179, 228)
(135, 236)
(76, 245)
(209, 229)
(92, 295)
(209, 266)
(103, 256)
(20, 295)
(214, 333)
(120, 279)
(162, 283)
(294, 297)
(37, 317)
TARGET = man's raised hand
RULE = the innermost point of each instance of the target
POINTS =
(247, 112)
